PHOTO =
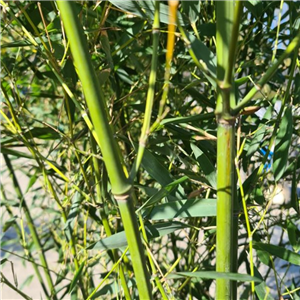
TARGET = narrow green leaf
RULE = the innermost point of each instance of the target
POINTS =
(206, 166)
(182, 209)
(203, 53)
(145, 10)
(294, 235)
(15, 44)
(3, 260)
(163, 192)
(179, 120)
(45, 133)
(6, 150)
(119, 240)
(256, 140)
(263, 292)
(76, 277)
(263, 256)
(294, 188)
(214, 275)
(31, 182)
(156, 169)
(280, 252)
(282, 144)
(10, 222)
(26, 282)
(191, 9)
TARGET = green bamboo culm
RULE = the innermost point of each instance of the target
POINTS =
(121, 185)
(226, 42)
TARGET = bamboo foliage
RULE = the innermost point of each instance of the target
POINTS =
(149, 149)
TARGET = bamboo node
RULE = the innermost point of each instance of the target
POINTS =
(123, 197)
(155, 30)
(226, 122)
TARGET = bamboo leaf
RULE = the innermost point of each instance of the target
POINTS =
(119, 240)
(256, 141)
(163, 192)
(294, 235)
(156, 169)
(191, 9)
(203, 53)
(76, 277)
(214, 275)
(10, 222)
(263, 292)
(282, 144)
(145, 10)
(74, 212)
(278, 251)
(45, 133)
(6, 150)
(182, 209)
(206, 166)
(294, 188)
(179, 120)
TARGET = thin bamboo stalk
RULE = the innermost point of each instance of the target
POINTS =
(31, 227)
(121, 186)
(150, 94)
(19, 233)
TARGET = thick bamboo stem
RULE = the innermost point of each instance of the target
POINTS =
(225, 177)
(226, 45)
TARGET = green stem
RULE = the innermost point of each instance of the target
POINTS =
(226, 37)
(4, 280)
(104, 217)
(225, 176)
(150, 94)
(31, 226)
(135, 246)
(121, 186)
(94, 98)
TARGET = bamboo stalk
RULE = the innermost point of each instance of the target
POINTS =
(104, 217)
(226, 45)
(151, 91)
(121, 186)
(31, 227)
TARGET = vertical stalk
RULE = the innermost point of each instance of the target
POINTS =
(228, 19)
(121, 186)
(225, 167)
(104, 218)
(151, 92)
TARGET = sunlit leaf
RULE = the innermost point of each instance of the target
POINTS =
(119, 240)
(282, 145)
(182, 209)
(213, 275)
(280, 252)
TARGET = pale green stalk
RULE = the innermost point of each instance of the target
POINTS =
(121, 186)
(150, 94)
(104, 218)
(228, 18)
